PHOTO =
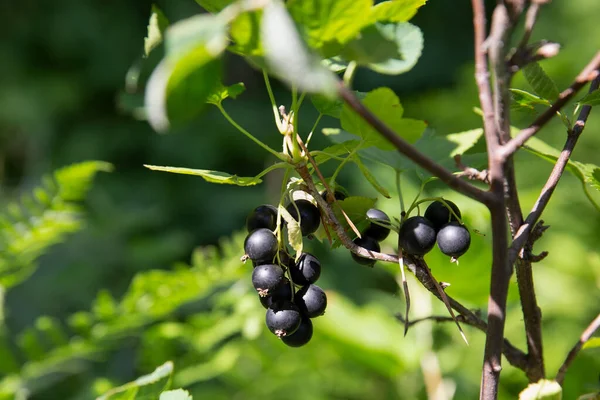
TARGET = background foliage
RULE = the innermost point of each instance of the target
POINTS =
(128, 292)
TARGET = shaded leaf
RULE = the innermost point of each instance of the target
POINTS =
(356, 208)
(210, 175)
(337, 150)
(541, 83)
(331, 107)
(524, 99)
(371, 178)
(156, 27)
(542, 390)
(591, 99)
(396, 10)
(288, 57)
(293, 230)
(223, 92)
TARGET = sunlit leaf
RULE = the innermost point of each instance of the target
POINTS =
(464, 140)
(591, 99)
(293, 230)
(178, 394)
(210, 176)
(371, 178)
(396, 10)
(540, 82)
(336, 150)
(288, 57)
(593, 343)
(146, 387)
(214, 6)
(245, 34)
(221, 93)
(542, 390)
(524, 99)
(156, 27)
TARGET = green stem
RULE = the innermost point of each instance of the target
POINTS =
(272, 168)
(339, 168)
(250, 136)
(273, 102)
(313, 129)
(399, 189)
(349, 73)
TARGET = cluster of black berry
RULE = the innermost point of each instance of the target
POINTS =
(372, 235)
(418, 234)
(285, 286)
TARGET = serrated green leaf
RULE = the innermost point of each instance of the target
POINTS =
(464, 140)
(591, 99)
(336, 150)
(371, 178)
(293, 230)
(178, 394)
(541, 83)
(147, 387)
(396, 10)
(593, 343)
(183, 80)
(524, 99)
(384, 103)
(210, 175)
(214, 6)
(223, 92)
(287, 55)
(331, 107)
(542, 390)
(330, 21)
(156, 27)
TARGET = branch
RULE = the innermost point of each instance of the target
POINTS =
(410, 151)
(585, 336)
(589, 73)
(524, 232)
(436, 318)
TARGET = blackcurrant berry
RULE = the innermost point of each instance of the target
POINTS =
(311, 300)
(307, 270)
(338, 194)
(438, 214)
(283, 292)
(283, 318)
(302, 335)
(416, 236)
(261, 245)
(454, 239)
(310, 216)
(375, 231)
(264, 216)
(368, 243)
(267, 278)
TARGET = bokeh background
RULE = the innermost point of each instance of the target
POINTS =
(63, 67)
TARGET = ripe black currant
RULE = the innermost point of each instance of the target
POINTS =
(264, 216)
(338, 194)
(310, 216)
(368, 243)
(454, 239)
(375, 231)
(283, 318)
(283, 292)
(307, 270)
(302, 335)
(416, 236)
(267, 278)
(311, 300)
(438, 214)
(261, 245)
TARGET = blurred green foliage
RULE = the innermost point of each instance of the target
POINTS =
(118, 298)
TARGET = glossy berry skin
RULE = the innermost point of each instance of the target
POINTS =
(306, 271)
(267, 278)
(261, 245)
(310, 216)
(375, 231)
(368, 243)
(416, 236)
(283, 292)
(302, 335)
(311, 300)
(283, 318)
(439, 215)
(454, 239)
(338, 194)
(264, 216)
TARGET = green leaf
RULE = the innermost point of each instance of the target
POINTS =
(210, 175)
(336, 150)
(384, 103)
(389, 49)
(214, 6)
(591, 99)
(331, 107)
(541, 83)
(371, 178)
(245, 34)
(542, 390)
(524, 99)
(396, 10)
(593, 343)
(293, 230)
(147, 387)
(287, 56)
(156, 28)
(464, 140)
(178, 394)
(356, 208)
(330, 21)
(223, 92)
(335, 64)
(189, 73)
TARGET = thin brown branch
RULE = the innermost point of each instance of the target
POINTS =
(435, 318)
(585, 336)
(522, 237)
(410, 151)
(589, 73)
